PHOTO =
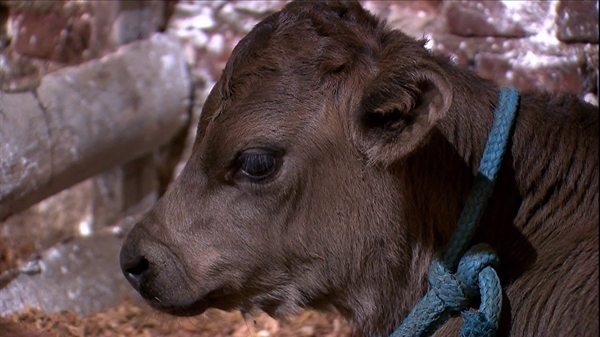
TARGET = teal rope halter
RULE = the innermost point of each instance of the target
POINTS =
(459, 275)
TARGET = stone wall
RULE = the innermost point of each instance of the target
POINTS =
(533, 44)
(40, 38)
(550, 45)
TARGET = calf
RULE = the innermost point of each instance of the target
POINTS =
(332, 160)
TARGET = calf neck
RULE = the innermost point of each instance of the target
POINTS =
(332, 160)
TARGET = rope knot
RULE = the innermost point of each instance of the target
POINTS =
(445, 285)
(457, 290)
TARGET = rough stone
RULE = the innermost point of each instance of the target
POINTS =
(137, 20)
(123, 190)
(103, 113)
(260, 8)
(524, 63)
(463, 51)
(416, 18)
(592, 64)
(87, 208)
(577, 21)
(495, 18)
(81, 275)
(74, 41)
(239, 21)
(23, 159)
(52, 220)
(554, 76)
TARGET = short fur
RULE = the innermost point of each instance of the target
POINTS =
(377, 142)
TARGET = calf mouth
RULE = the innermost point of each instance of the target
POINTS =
(214, 299)
(160, 278)
(222, 298)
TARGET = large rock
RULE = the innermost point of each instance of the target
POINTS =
(25, 144)
(80, 275)
(89, 118)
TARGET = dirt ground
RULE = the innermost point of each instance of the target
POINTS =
(133, 320)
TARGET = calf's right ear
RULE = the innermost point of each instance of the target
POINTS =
(398, 110)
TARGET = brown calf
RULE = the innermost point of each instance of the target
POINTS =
(333, 158)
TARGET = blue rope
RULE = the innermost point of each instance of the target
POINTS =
(457, 277)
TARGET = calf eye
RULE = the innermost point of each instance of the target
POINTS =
(256, 164)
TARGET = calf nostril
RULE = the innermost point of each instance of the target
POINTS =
(137, 266)
(134, 268)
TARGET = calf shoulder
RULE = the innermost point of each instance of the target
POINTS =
(555, 160)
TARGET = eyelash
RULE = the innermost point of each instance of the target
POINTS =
(256, 165)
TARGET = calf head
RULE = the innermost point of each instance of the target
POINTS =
(291, 196)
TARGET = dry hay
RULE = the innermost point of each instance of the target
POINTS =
(132, 320)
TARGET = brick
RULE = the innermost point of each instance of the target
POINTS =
(495, 18)
(39, 33)
(577, 21)
(525, 63)
(463, 50)
(53, 36)
(554, 73)
(415, 18)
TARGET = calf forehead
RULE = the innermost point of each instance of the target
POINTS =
(270, 115)
(298, 48)
(277, 84)
(263, 114)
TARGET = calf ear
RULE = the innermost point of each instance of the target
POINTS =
(398, 111)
